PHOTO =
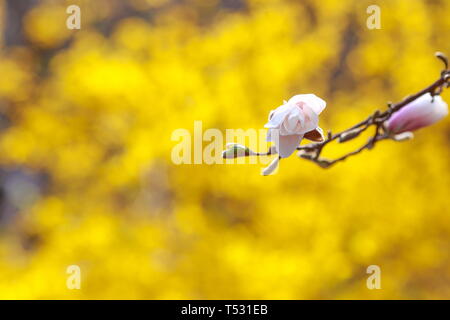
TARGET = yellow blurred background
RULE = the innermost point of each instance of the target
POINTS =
(86, 176)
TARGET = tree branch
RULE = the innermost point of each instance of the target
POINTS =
(313, 151)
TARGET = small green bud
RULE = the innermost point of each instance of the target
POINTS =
(236, 150)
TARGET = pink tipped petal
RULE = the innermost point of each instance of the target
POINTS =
(289, 122)
(292, 121)
(286, 145)
(420, 113)
(314, 102)
(311, 120)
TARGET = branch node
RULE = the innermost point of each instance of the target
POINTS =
(349, 135)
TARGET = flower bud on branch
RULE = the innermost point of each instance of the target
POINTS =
(237, 150)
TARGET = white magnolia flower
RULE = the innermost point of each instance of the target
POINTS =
(295, 119)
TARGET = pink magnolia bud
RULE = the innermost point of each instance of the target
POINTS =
(422, 112)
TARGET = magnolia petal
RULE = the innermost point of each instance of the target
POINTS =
(272, 150)
(311, 120)
(315, 135)
(277, 116)
(314, 102)
(292, 120)
(271, 167)
(286, 145)
(272, 135)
